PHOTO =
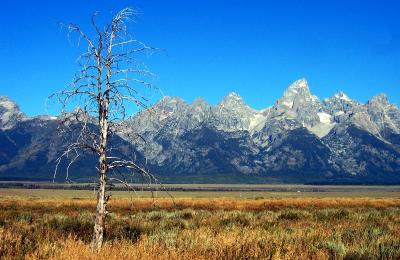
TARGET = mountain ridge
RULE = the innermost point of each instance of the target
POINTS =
(298, 138)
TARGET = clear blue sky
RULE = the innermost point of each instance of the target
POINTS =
(256, 48)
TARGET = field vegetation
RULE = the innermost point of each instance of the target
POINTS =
(202, 228)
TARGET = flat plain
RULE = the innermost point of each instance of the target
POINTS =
(241, 222)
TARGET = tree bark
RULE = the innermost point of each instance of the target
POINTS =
(100, 220)
(99, 223)
(101, 210)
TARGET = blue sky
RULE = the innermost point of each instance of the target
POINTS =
(255, 48)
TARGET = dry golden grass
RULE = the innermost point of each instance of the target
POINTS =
(288, 228)
(127, 204)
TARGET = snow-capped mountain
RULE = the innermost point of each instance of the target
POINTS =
(298, 139)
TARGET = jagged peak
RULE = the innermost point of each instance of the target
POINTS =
(169, 104)
(299, 84)
(299, 87)
(379, 101)
(231, 99)
(341, 95)
(233, 95)
(7, 103)
(4, 98)
(9, 106)
(9, 113)
(172, 99)
(381, 98)
(200, 101)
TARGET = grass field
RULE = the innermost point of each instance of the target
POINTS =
(43, 190)
(57, 224)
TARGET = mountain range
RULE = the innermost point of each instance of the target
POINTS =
(299, 139)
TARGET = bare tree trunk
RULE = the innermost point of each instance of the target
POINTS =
(99, 223)
(101, 210)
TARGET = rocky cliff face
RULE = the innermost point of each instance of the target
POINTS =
(298, 139)
(9, 113)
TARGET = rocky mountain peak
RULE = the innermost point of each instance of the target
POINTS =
(380, 99)
(300, 88)
(171, 100)
(233, 114)
(342, 96)
(200, 102)
(170, 104)
(8, 104)
(9, 113)
(200, 108)
(233, 101)
(297, 94)
(299, 84)
(339, 105)
(303, 108)
(232, 97)
(384, 115)
(297, 103)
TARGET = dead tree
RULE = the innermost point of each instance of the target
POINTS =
(110, 85)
